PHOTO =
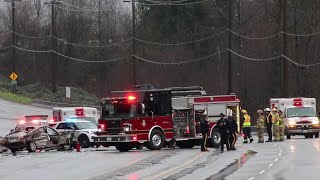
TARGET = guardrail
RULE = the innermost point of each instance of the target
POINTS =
(50, 104)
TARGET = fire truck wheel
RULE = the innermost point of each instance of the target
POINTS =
(31, 146)
(156, 140)
(123, 148)
(84, 141)
(185, 144)
(316, 135)
(215, 138)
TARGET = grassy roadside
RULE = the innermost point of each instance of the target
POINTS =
(15, 98)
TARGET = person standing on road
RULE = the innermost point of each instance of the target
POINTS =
(233, 129)
(281, 125)
(260, 126)
(204, 131)
(275, 124)
(224, 132)
(246, 126)
(268, 123)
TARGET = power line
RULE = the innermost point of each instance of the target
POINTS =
(255, 38)
(255, 59)
(33, 51)
(32, 37)
(170, 3)
(183, 43)
(4, 48)
(82, 10)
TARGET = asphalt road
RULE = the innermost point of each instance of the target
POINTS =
(297, 158)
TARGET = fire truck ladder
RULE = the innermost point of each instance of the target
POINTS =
(187, 91)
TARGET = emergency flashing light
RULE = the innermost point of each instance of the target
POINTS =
(35, 121)
(21, 122)
(132, 98)
(135, 138)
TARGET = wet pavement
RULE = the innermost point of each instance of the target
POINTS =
(297, 158)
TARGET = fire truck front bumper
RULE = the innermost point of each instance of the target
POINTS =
(110, 139)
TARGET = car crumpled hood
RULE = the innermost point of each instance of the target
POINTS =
(16, 135)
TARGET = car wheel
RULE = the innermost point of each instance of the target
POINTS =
(84, 141)
(31, 146)
(316, 135)
(156, 140)
(215, 138)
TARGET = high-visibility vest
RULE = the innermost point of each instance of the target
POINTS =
(247, 122)
(275, 119)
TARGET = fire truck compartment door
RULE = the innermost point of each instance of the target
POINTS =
(214, 111)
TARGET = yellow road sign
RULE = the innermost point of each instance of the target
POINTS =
(14, 76)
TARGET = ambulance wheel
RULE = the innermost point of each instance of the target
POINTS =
(31, 146)
(156, 140)
(215, 138)
(316, 135)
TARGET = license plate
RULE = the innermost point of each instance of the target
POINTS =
(305, 131)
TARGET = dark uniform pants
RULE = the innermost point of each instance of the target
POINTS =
(247, 133)
(204, 141)
(269, 130)
(232, 140)
(224, 140)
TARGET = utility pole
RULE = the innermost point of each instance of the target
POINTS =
(285, 51)
(13, 35)
(53, 47)
(134, 73)
(230, 47)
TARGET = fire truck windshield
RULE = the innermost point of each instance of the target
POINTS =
(118, 110)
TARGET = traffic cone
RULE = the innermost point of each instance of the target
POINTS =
(78, 147)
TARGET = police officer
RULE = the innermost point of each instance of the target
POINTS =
(204, 131)
(260, 126)
(224, 132)
(233, 129)
(246, 126)
(268, 123)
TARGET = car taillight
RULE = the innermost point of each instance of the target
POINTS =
(35, 121)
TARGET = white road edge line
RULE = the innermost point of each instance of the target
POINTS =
(20, 171)
(251, 178)
(262, 171)
(43, 165)
(270, 164)
(280, 154)
(276, 159)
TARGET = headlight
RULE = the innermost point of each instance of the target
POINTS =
(292, 122)
(89, 132)
(127, 127)
(315, 122)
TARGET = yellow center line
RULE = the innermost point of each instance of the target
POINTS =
(177, 167)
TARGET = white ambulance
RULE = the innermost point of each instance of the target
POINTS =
(300, 116)
(82, 113)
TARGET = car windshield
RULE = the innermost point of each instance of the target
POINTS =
(91, 119)
(85, 125)
(301, 112)
(118, 110)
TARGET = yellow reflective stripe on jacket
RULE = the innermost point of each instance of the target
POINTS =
(247, 121)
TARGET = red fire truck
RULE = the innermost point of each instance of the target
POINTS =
(159, 117)
(193, 107)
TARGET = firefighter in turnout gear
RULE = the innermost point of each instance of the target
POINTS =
(260, 126)
(204, 130)
(275, 124)
(233, 129)
(224, 132)
(281, 125)
(246, 126)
